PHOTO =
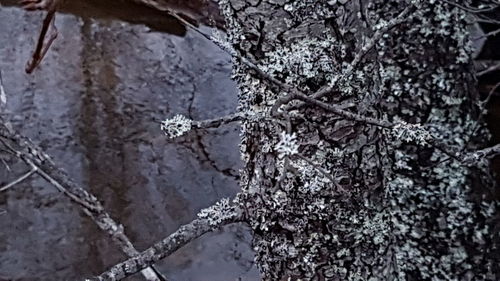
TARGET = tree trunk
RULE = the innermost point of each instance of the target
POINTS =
(359, 200)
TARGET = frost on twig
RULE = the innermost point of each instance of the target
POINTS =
(410, 132)
(176, 126)
(287, 145)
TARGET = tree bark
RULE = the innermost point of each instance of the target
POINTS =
(336, 198)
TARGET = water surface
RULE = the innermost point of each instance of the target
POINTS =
(95, 104)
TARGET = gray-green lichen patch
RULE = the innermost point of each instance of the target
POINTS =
(218, 213)
(335, 199)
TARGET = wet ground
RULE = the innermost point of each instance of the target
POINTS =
(95, 105)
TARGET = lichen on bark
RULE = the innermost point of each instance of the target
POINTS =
(357, 202)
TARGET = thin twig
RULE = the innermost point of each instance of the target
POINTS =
(322, 171)
(488, 70)
(19, 180)
(485, 19)
(165, 247)
(62, 189)
(485, 153)
(5, 164)
(3, 96)
(452, 152)
(344, 113)
(491, 33)
(490, 94)
(42, 47)
(470, 9)
(482, 110)
(35, 157)
(216, 122)
(403, 16)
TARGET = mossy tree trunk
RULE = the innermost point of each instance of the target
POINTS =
(358, 201)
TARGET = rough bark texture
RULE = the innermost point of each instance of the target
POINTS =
(359, 202)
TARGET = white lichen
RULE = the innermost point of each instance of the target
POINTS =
(410, 132)
(176, 126)
(287, 145)
(218, 213)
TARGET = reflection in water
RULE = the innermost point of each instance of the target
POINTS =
(104, 170)
(94, 105)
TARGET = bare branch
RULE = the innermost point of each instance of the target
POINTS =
(402, 17)
(3, 96)
(322, 171)
(60, 187)
(490, 94)
(167, 246)
(5, 164)
(19, 180)
(32, 155)
(452, 152)
(479, 155)
(485, 19)
(179, 125)
(344, 113)
(216, 122)
(490, 151)
(491, 33)
(354, 64)
(488, 70)
(41, 47)
(482, 110)
(471, 9)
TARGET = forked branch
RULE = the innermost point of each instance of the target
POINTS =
(172, 243)
(35, 158)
